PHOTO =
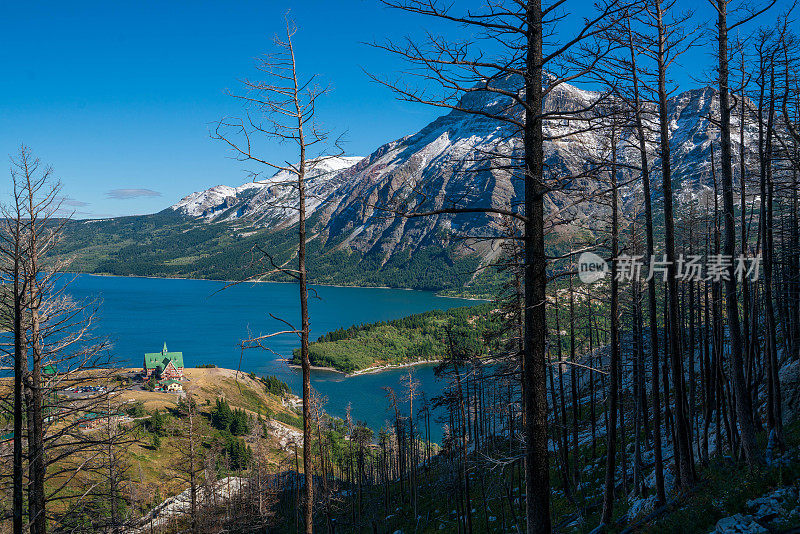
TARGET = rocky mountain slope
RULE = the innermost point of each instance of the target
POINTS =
(458, 160)
(267, 202)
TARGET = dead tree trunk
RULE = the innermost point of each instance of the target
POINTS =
(683, 451)
(744, 407)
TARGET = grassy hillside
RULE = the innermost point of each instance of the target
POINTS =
(242, 419)
(208, 384)
(419, 337)
(154, 412)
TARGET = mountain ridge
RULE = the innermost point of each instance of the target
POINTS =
(356, 239)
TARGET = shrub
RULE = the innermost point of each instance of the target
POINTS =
(234, 421)
(237, 452)
(291, 420)
(157, 424)
(276, 386)
(136, 409)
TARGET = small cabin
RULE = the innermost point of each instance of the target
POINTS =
(163, 365)
(170, 385)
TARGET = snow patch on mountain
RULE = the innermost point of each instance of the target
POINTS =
(445, 165)
(204, 203)
(268, 198)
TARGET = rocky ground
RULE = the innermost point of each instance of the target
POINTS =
(776, 511)
(180, 505)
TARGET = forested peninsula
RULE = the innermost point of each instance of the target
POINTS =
(423, 337)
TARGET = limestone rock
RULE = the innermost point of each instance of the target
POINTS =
(790, 389)
(773, 505)
(739, 524)
(641, 507)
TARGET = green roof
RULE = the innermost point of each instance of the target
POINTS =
(169, 382)
(159, 360)
(49, 370)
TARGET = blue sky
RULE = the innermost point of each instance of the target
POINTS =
(119, 96)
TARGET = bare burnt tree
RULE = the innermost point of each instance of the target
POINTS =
(789, 141)
(531, 64)
(767, 48)
(189, 467)
(613, 396)
(55, 348)
(744, 405)
(651, 43)
(283, 107)
(669, 38)
(13, 250)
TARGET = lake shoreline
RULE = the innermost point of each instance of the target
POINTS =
(138, 316)
(366, 371)
(236, 282)
(391, 367)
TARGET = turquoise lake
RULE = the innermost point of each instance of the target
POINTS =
(193, 316)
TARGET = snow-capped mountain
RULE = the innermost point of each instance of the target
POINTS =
(267, 201)
(445, 164)
(355, 233)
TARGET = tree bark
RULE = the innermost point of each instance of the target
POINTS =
(652, 305)
(537, 475)
(683, 452)
(744, 407)
(611, 429)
